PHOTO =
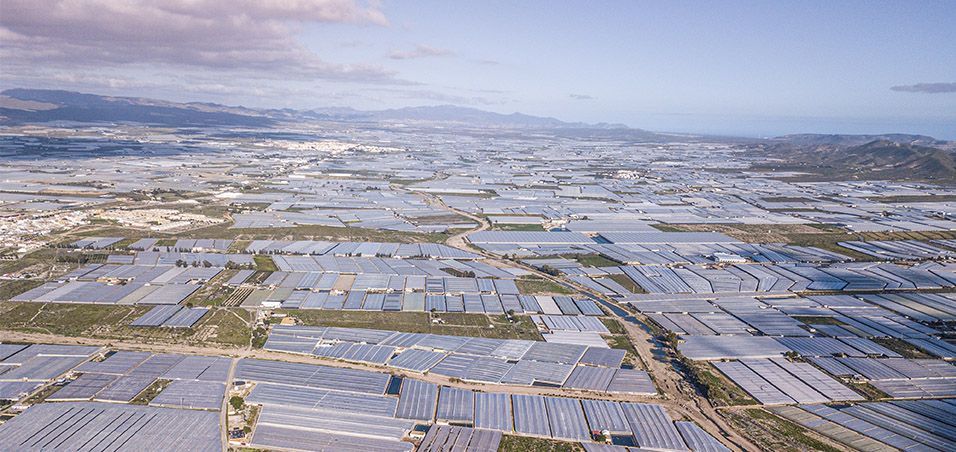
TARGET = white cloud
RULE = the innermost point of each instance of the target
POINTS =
(420, 51)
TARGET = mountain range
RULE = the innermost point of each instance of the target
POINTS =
(889, 157)
(18, 106)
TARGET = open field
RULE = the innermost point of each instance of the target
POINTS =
(592, 260)
(627, 282)
(713, 385)
(517, 227)
(221, 326)
(44, 262)
(303, 232)
(264, 263)
(14, 287)
(778, 434)
(472, 325)
(904, 348)
(512, 443)
(534, 285)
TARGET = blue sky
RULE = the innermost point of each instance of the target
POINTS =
(749, 68)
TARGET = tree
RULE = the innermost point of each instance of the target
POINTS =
(237, 402)
(550, 270)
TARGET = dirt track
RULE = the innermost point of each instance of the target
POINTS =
(680, 398)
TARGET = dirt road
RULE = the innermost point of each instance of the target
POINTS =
(680, 397)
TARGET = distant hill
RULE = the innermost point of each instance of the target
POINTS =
(876, 159)
(813, 139)
(35, 105)
(19, 106)
(469, 116)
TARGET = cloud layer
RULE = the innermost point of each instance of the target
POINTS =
(244, 36)
(927, 88)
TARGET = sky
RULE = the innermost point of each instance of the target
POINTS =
(750, 68)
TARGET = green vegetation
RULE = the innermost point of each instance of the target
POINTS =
(151, 392)
(69, 319)
(622, 342)
(869, 391)
(668, 228)
(458, 273)
(627, 282)
(221, 327)
(227, 327)
(549, 270)
(122, 244)
(828, 242)
(902, 347)
(265, 263)
(214, 292)
(237, 402)
(457, 324)
(518, 227)
(259, 337)
(903, 199)
(720, 391)
(258, 277)
(400, 181)
(449, 218)
(104, 228)
(775, 433)
(42, 394)
(594, 260)
(238, 246)
(818, 320)
(42, 257)
(536, 285)
(613, 325)
(14, 287)
(82, 257)
(260, 206)
(511, 443)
